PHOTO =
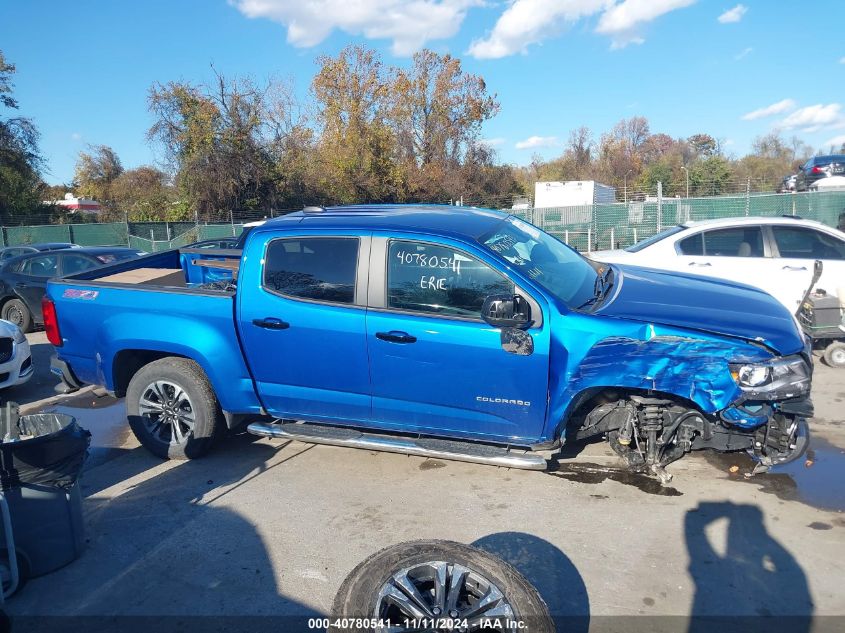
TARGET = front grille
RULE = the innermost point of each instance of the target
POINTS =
(5, 349)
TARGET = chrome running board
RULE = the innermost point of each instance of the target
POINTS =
(422, 446)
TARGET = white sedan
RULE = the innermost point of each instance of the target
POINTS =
(15, 358)
(775, 254)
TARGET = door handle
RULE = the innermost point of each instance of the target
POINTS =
(700, 264)
(21, 285)
(794, 268)
(396, 337)
(271, 323)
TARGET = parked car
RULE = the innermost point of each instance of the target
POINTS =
(22, 249)
(819, 167)
(15, 357)
(225, 243)
(787, 185)
(775, 254)
(23, 279)
(467, 331)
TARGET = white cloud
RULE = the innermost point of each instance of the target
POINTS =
(536, 142)
(815, 117)
(410, 24)
(776, 108)
(836, 141)
(842, 60)
(743, 53)
(492, 142)
(628, 15)
(733, 15)
(76, 136)
(527, 22)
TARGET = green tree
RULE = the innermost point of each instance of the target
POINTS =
(355, 141)
(216, 139)
(95, 172)
(20, 160)
(144, 194)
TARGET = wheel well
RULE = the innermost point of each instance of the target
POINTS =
(588, 400)
(127, 362)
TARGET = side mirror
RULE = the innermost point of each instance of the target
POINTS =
(504, 311)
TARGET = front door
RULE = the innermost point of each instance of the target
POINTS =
(303, 329)
(435, 365)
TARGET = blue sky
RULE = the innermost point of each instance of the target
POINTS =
(731, 70)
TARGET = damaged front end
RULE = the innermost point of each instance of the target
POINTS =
(768, 419)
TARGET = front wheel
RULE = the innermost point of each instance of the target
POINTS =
(172, 409)
(438, 586)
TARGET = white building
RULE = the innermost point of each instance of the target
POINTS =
(74, 204)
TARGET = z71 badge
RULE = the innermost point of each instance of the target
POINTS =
(73, 293)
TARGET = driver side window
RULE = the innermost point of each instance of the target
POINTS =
(439, 280)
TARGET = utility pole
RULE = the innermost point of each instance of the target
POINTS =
(686, 173)
(625, 187)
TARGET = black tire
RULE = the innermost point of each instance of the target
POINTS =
(15, 310)
(834, 355)
(358, 595)
(208, 421)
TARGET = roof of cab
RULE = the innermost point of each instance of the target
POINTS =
(430, 218)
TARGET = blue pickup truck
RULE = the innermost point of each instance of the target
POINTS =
(434, 330)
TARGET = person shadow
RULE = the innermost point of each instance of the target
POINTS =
(550, 571)
(167, 553)
(751, 583)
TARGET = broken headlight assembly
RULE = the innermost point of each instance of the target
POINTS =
(776, 379)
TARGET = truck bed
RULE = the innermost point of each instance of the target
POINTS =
(148, 306)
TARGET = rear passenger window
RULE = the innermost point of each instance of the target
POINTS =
(801, 243)
(439, 280)
(44, 266)
(318, 268)
(744, 241)
(693, 245)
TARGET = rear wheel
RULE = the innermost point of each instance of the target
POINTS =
(172, 409)
(16, 311)
(834, 354)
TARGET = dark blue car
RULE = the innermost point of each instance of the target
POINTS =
(459, 333)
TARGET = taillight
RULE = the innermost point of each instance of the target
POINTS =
(818, 170)
(51, 322)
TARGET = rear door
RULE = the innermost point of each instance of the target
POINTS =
(435, 365)
(796, 249)
(302, 325)
(30, 280)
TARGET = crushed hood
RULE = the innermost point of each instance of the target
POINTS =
(702, 303)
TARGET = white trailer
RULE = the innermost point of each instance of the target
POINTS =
(572, 193)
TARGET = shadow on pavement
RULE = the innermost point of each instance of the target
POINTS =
(550, 571)
(167, 554)
(751, 583)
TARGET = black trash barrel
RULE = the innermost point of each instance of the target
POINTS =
(41, 458)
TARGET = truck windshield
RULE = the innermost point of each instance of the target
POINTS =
(545, 259)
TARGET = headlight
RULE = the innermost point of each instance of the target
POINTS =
(20, 337)
(776, 379)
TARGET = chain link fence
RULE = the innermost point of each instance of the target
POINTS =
(609, 226)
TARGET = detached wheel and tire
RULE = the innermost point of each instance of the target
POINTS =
(439, 586)
(172, 409)
(16, 311)
(834, 354)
